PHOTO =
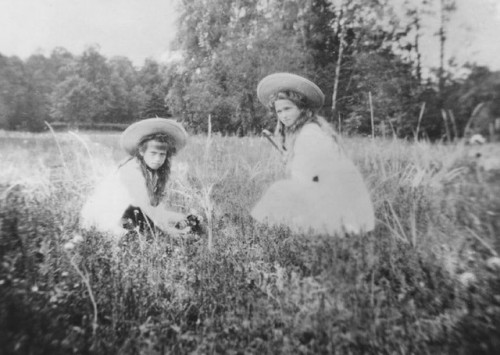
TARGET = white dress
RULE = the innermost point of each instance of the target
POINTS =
(125, 187)
(325, 193)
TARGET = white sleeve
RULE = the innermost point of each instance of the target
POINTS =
(310, 153)
(104, 208)
(135, 184)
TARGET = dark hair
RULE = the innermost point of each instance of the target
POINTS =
(300, 100)
(308, 114)
(155, 191)
(297, 98)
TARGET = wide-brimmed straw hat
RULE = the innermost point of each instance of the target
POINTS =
(134, 133)
(276, 82)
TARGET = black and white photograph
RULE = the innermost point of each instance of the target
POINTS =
(249, 177)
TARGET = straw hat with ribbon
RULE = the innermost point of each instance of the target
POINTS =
(134, 133)
(276, 82)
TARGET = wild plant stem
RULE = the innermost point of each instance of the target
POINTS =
(86, 281)
(371, 114)
(422, 109)
(58, 146)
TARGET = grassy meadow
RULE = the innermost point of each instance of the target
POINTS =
(424, 282)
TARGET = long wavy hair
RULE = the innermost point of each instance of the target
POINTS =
(156, 180)
(308, 115)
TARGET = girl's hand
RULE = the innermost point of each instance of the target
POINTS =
(181, 224)
(177, 233)
(192, 223)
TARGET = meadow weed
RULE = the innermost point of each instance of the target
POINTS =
(243, 287)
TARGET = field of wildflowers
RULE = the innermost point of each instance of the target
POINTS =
(426, 281)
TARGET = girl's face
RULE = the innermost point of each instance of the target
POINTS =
(287, 111)
(155, 154)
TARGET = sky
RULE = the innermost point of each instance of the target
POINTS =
(137, 29)
(140, 29)
(472, 35)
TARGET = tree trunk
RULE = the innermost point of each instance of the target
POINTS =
(442, 40)
(417, 48)
(446, 126)
(341, 31)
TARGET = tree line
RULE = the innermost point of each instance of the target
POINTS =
(79, 90)
(362, 53)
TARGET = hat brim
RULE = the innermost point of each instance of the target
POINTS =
(276, 82)
(134, 133)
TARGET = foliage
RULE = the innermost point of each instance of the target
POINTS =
(75, 99)
(78, 90)
(385, 79)
(480, 87)
(395, 290)
(23, 100)
(360, 48)
(256, 38)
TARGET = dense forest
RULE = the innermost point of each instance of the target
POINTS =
(363, 54)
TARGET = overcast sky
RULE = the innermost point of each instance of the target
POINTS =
(139, 29)
(473, 34)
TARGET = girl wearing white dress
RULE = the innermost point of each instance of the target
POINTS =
(325, 192)
(133, 196)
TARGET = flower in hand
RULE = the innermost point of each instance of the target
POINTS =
(192, 222)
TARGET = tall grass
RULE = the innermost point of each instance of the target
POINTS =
(256, 289)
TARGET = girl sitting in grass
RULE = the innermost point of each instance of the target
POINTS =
(133, 197)
(325, 193)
